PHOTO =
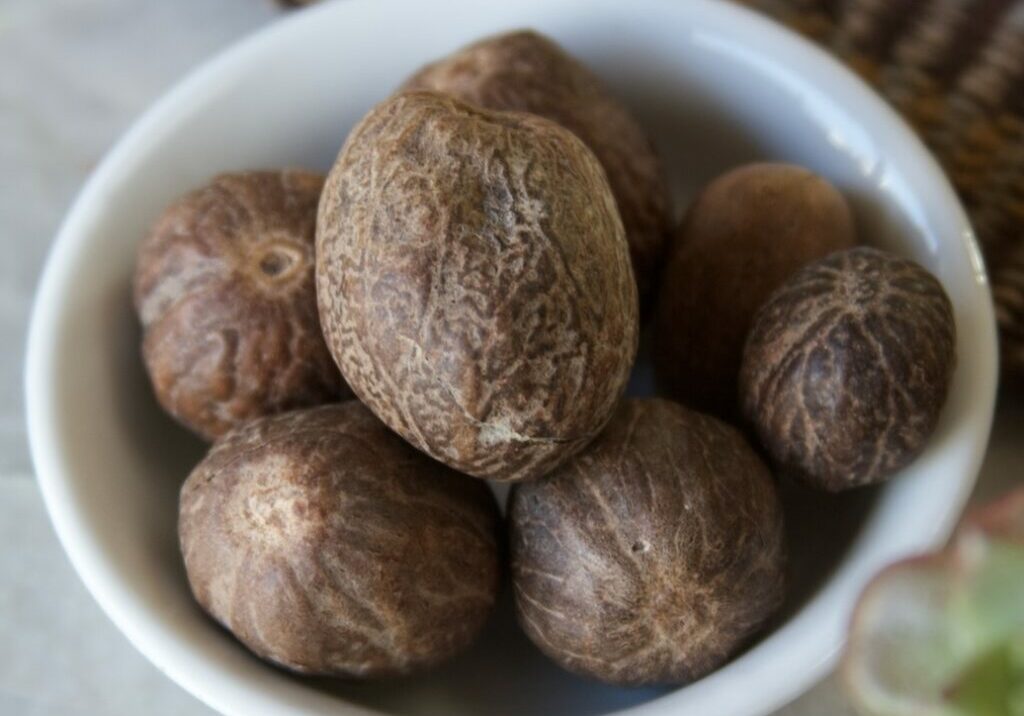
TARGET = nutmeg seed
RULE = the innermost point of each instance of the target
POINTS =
(652, 556)
(474, 283)
(329, 546)
(747, 231)
(525, 71)
(847, 367)
(225, 292)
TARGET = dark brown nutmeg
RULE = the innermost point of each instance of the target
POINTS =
(746, 233)
(474, 283)
(652, 556)
(328, 545)
(225, 291)
(525, 71)
(847, 367)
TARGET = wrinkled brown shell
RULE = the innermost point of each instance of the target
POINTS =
(525, 71)
(225, 292)
(329, 546)
(474, 283)
(847, 367)
(748, 231)
(652, 556)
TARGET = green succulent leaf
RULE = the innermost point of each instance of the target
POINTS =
(943, 635)
(987, 603)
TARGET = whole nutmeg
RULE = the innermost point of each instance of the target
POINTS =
(329, 546)
(474, 283)
(225, 292)
(654, 555)
(747, 231)
(525, 71)
(847, 367)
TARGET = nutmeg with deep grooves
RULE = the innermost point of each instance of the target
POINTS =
(474, 283)
(652, 556)
(847, 367)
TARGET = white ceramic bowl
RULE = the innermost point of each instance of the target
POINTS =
(715, 85)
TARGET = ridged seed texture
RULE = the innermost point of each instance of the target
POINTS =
(329, 546)
(474, 283)
(225, 292)
(654, 555)
(847, 367)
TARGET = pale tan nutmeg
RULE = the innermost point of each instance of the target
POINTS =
(847, 367)
(652, 556)
(327, 545)
(474, 283)
(225, 292)
(525, 71)
(746, 233)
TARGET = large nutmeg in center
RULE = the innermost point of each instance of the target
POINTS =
(474, 283)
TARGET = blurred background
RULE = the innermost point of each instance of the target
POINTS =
(75, 73)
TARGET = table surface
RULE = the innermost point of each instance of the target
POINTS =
(73, 74)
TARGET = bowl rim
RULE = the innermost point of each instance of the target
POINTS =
(817, 655)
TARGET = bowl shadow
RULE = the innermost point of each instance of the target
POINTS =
(527, 684)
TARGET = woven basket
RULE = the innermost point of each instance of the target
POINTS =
(955, 69)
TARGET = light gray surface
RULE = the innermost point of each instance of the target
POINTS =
(73, 74)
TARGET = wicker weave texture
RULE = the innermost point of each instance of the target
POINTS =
(955, 69)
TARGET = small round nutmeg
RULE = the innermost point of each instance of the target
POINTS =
(652, 556)
(225, 292)
(847, 367)
(747, 231)
(329, 546)
(524, 71)
(474, 283)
